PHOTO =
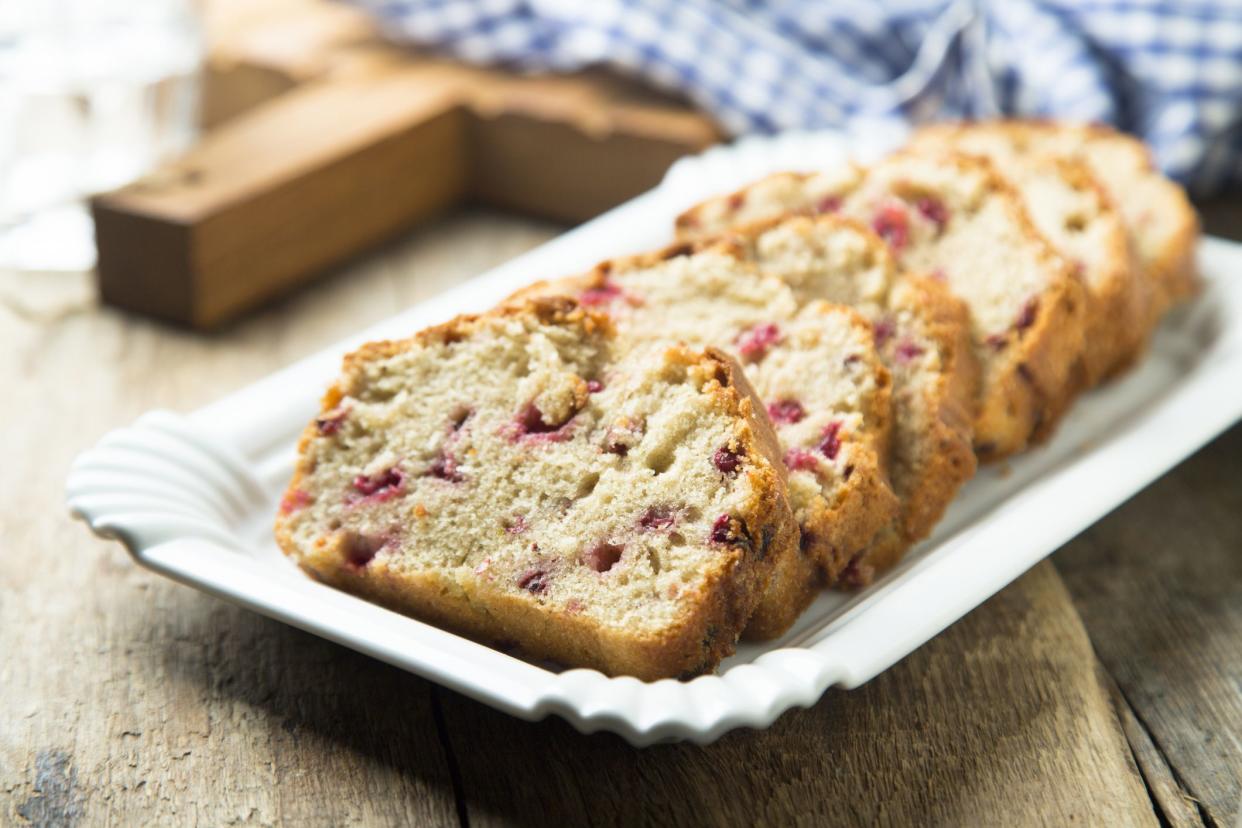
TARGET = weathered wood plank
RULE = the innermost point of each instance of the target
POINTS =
(1159, 586)
(1002, 720)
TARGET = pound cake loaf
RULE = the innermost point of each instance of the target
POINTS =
(922, 333)
(518, 477)
(815, 368)
(1161, 224)
(956, 219)
(1075, 213)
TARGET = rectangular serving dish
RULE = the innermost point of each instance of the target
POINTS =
(193, 496)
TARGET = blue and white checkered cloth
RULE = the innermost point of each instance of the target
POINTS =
(1170, 72)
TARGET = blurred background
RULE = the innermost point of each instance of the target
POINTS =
(204, 157)
(93, 93)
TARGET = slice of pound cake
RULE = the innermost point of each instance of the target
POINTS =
(922, 333)
(956, 219)
(815, 368)
(518, 477)
(1074, 212)
(1160, 222)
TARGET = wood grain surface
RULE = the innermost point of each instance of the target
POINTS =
(1102, 688)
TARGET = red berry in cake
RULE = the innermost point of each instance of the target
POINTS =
(534, 581)
(604, 293)
(656, 518)
(884, 330)
(828, 204)
(786, 411)
(1026, 317)
(831, 442)
(623, 435)
(907, 350)
(594, 386)
(752, 345)
(530, 423)
(330, 423)
(892, 224)
(856, 573)
(934, 210)
(722, 531)
(445, 468)
(797, 459)
(382, 485)
(294, 500)
(603, 556)
(727, 460)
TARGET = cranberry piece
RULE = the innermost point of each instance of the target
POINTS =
(619, 438)
(294, 500)
(786, 411)
(530, 423)
(849, 471)
(883, 331)
(908, 350)
(534, 581)
(517, 526)
(360, 550)
(831, 444)
(722, 530)
(797, 459)
(594, 386)
(726, 460)
(754, 344)
(856, 573)
(1026, 317)
(330, 423)
(656, 518)
(380, 486)
(934, 210)
(603, 556)
(445, 468)
(828, 204)
(606, 292)
(892, 224)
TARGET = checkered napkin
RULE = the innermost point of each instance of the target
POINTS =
(1169, 71)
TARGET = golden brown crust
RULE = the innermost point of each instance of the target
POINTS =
(696, 642)
(946, 322)
(793, 582)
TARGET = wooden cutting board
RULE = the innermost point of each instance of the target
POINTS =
(322, 141)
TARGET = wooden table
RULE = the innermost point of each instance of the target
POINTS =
(1102, 688)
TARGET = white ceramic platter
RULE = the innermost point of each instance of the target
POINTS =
(193, 496)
